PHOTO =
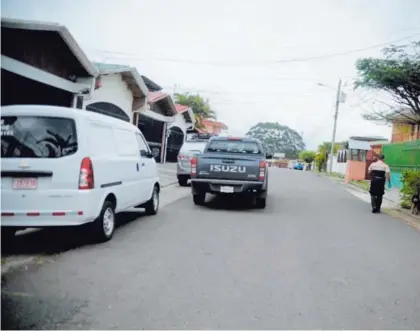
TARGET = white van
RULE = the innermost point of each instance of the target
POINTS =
(68, 167)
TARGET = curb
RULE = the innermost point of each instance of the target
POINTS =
(17, 263)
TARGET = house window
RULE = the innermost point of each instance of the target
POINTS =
(109, 109)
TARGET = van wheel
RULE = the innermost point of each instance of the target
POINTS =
(199, 199)
(261, 203)
(104, 225)
(152, 206)
(183, 180)
(7, 234)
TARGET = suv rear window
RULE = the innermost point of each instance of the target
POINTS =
(37, 137)
(234, 146)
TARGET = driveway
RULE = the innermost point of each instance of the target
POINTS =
(315, 258)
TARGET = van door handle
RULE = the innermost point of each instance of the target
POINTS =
(137, 166)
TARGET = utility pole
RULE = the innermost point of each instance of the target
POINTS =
(337, 107)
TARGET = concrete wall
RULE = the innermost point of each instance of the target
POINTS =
(114, 90)
(337, 167)
(180, 122)
(355, 170)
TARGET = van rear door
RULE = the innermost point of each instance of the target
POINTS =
(38, 155)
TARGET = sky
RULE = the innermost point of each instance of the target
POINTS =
(254, 60)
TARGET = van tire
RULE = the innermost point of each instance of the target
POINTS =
(104, 225)
(152, 206)
(199, 199)
(7, 234)
(183, 180)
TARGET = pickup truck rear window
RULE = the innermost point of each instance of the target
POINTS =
(234, 146)
(37, 137)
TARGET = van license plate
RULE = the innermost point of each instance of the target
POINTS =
(226, 189)
(24, 183)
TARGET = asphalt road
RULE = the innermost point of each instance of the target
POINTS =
(314, 258)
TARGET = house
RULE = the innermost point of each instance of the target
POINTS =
(359, 157)
(45, 59)
(214, 127)
(120, 91)
(405, 127)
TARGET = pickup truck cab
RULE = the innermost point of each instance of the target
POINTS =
(230, 166)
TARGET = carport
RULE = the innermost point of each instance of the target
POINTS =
(41, 63)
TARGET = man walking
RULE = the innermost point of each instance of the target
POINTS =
(379, 173)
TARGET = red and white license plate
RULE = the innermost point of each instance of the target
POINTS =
(24, 183)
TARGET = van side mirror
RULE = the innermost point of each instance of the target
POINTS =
(145, 153)
(269, 156)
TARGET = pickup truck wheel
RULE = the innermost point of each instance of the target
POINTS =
(261, 203)
(199, 199)
(182, 180)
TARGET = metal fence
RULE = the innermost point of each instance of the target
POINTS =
(401, 156)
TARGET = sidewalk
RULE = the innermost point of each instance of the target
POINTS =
(167, 174)
(391, 202)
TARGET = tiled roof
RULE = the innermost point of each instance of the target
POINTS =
(214, 123)
(180, 108)
(156, 96)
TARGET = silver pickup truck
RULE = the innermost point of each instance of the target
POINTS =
(230, 166)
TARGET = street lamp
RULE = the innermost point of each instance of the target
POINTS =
(338, 99)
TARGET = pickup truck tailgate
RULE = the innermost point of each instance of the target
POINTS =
(236, 167)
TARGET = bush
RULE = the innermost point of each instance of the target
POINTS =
(410, 180)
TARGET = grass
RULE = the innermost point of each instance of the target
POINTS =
(363, 184)
(337, 175)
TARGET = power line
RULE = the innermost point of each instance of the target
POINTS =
(291, 60)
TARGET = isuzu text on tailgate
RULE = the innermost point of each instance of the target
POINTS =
(230, 166)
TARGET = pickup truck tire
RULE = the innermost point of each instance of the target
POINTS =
(199, 199)
(183, 180)
(260, 203)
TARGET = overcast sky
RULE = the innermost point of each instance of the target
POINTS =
(242, 54)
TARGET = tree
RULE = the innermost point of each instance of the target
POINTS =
(200, 107)
(307, 156)
(398, 73)
(325, 147)
(324, 151)
(278, 138)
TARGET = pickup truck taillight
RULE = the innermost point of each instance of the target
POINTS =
(193, 163)
(263, 165)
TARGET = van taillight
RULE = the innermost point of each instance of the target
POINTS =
(193, 163)
(263, 165)
(86, 179)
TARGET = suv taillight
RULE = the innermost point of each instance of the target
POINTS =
(193, 163)
(86, 179)
(263, 165)
(182, 157)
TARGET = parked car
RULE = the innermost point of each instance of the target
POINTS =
(230, 166)
(299, 166)
(69, 167)
(193, 145)
(291, 164)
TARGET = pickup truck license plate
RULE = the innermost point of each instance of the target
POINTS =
(24, 183)
(226, 189)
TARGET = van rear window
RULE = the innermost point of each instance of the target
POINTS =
(37, 137)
